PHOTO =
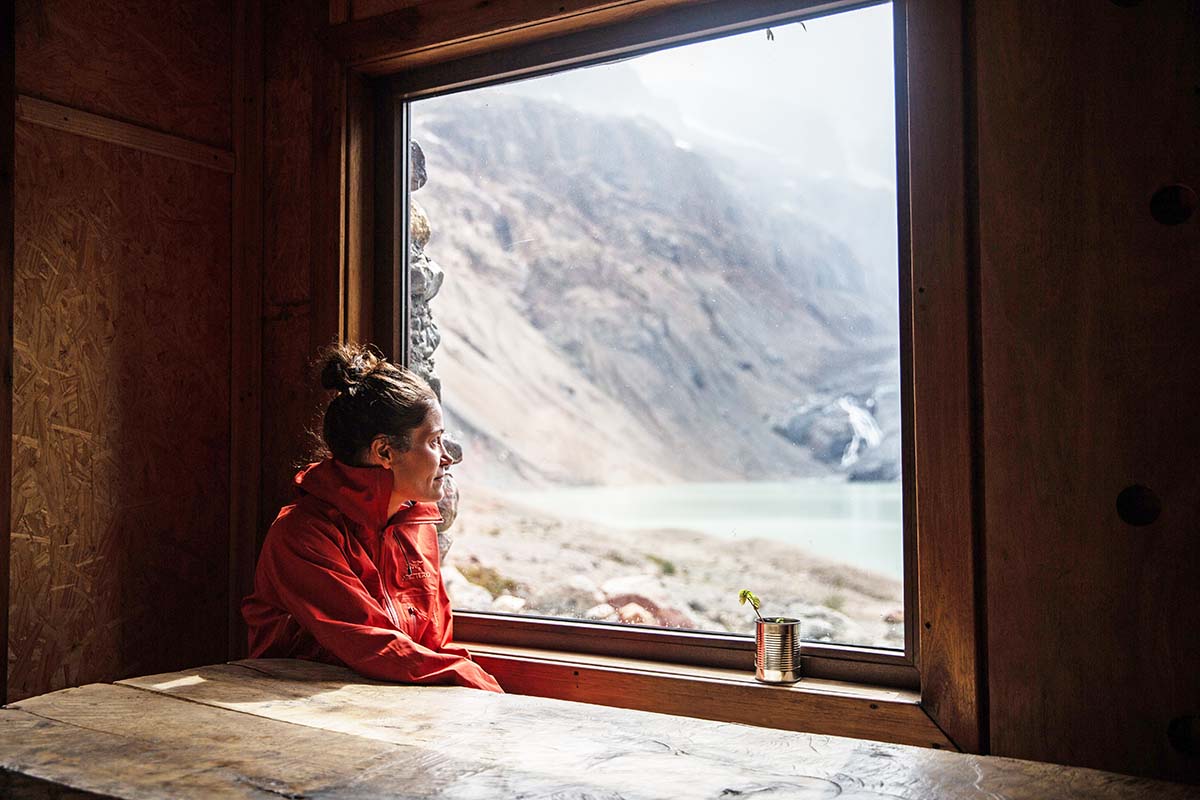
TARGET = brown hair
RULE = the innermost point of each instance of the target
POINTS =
(375, 397)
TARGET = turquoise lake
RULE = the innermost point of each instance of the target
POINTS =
(860, 524)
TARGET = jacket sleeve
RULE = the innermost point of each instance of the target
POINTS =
(315, 585)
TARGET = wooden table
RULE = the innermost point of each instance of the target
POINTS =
(276, 728)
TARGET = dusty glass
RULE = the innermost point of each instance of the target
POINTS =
(669, 337)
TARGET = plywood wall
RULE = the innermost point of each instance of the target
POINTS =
(120, 475)
(1089, 341)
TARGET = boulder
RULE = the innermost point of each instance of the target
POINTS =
(601, 611)
(463, 593)
(448, 506)
(508, 604)
(571, 597)
(418, 225)
(416, 166)
(650, 594)
(634, 614)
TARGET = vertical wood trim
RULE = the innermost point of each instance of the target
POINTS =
(945, 381)
(339, 11)
(402, 267)
(912, 637)
(8, 100)
(328, 219)
(389, 167)
(245, 362)
(359, 310)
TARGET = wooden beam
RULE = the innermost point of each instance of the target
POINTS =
(95, 126)
(390, 274)
(8, 95)
(375, 44)
(328, 218)
(359, 223)
(246, 288)
(437, 33)
(945, 375)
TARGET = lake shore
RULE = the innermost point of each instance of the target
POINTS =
(513, 558)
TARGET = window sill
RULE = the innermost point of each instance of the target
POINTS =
(812, 705)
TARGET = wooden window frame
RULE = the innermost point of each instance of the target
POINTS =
(942, 659)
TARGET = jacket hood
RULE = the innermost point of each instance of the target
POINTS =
(360, 494)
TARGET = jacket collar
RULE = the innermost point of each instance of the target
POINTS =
(361, 494)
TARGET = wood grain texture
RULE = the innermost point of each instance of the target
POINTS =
(121, 412)
(165, 66)
(129, 743)
(245, 366)
(422, 35)
(1089, 335)
(264, 723)
(813, 705)
(328, 222)
(94, 126)
(360, 210)
(378, 40)
(287, 255)
(8, 96)
(942, 364)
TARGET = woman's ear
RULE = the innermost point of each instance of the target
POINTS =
(380, 452)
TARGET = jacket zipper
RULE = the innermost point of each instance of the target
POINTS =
(387, 595)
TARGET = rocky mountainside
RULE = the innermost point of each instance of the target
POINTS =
(618, 307)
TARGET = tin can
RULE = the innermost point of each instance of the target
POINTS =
(777, 650)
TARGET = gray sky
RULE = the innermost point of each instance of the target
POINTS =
(824, 95)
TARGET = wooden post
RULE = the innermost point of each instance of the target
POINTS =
(8, 98)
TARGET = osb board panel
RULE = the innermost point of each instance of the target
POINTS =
(163, 65)
(1089, 334)
(121, 413)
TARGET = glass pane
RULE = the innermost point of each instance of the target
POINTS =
(669, 337)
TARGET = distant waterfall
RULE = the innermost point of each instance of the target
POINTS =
(866, 429)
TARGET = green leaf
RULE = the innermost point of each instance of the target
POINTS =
(746, 595)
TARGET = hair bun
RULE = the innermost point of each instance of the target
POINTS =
(345, 367)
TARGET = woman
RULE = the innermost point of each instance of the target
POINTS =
(349, 574)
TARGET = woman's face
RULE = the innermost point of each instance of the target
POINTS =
(417, 472)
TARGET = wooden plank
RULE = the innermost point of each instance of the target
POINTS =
(160, 66)
(120, 412)
(360, 210)
(896, 718)
(130, 743)
(496, 58)
(428, 34)
(390, 274)
(245, 363)
(363, 9)
(529, 746)
(944, 359)
(858, 664)
(288, 190)
(413, 27)
(1089, 335)
(16, 786)
(8, 96)
(94, 126)
(328, 223)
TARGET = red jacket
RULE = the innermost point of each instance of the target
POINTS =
(337, 581)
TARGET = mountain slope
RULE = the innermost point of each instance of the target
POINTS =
(616, 311)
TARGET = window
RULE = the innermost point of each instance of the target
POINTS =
(943, 589)
(669, 333)
(940, 623)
